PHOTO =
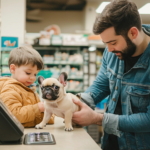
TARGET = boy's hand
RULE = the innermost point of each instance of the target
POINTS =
(41, 106)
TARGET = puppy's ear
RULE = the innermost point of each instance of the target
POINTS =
(40, 79)
(63, 78)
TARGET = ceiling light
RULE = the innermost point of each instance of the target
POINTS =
(101, 7)
(145, 9)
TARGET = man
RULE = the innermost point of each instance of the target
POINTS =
(124, 76)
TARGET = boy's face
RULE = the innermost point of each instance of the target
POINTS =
(26, 74)
(118, 44)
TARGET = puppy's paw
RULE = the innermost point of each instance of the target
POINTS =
(68, 128)
(40, 126)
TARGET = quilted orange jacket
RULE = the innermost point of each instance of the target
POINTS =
(22, 102)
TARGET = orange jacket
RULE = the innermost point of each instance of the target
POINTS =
(22, 102)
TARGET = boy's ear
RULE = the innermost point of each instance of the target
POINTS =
(40, 79)
(12, 68)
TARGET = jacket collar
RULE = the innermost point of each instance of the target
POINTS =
(146, 29)
(144, 59)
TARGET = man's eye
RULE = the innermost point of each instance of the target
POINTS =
(35, 75)
(113, 43)
(56, 87)
(28, 73)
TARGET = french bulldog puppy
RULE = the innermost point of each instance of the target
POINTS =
(57, 101)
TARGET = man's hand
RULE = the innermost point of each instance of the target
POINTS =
(86, 115)
(41, 106)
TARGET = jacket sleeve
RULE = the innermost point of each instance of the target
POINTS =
(100, 87)
(14, 102)
(28, 115)
(139, 122)
(117, 124)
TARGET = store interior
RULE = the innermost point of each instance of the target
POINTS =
(61, 31)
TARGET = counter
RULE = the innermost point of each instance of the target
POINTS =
(78, 139)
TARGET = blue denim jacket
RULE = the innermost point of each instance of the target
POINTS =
(133, 126)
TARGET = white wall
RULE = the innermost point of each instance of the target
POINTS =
(90, 15)
(13, 19)
(68, 21)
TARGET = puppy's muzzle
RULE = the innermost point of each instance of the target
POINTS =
(49, 94)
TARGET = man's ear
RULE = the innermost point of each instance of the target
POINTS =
(12, 68)
(40, 79)
(133, 33)
(63, 78)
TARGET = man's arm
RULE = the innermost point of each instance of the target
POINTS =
(139, 122)
(100, 87)
(86, 116)
(116, 124)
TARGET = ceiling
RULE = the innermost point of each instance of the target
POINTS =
(74, 5)
(56, 4)
(69, 4)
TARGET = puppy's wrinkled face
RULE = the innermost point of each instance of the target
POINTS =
(50, 89)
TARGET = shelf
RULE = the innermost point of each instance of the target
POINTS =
(63, 63)
(74, 91)
(6, 74)
(6, 49)
(75, 78)
(54, 47)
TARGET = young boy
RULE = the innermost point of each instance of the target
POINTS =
(24, 103)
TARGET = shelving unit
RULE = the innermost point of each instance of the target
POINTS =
(79, 71)
(74, 67)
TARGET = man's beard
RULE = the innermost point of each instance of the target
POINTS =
(128, 51)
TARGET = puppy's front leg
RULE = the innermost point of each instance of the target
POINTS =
(46, 118)
(68, 120)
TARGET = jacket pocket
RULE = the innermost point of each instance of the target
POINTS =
(139, 98)
(112, 79)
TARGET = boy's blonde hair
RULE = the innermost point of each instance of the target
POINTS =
(25, 55)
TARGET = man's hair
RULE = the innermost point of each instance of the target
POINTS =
(120, 14)
(24, 56)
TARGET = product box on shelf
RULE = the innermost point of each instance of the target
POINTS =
(75, 39)
(44, 38)
(5, 69)
(56, 40)
(48, 58)
(5, 58)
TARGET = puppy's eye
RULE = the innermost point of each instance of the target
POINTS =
(42, 88)
(56, 87)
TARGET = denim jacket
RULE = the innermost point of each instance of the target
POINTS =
(133, 126)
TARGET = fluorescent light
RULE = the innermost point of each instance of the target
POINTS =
(101, 7)
(145, 9)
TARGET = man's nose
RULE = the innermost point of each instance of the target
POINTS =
(110, 48)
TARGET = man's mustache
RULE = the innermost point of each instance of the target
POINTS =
(116, 52)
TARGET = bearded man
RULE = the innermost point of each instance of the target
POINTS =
(124, 76)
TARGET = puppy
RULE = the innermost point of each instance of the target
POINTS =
(57, 101)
